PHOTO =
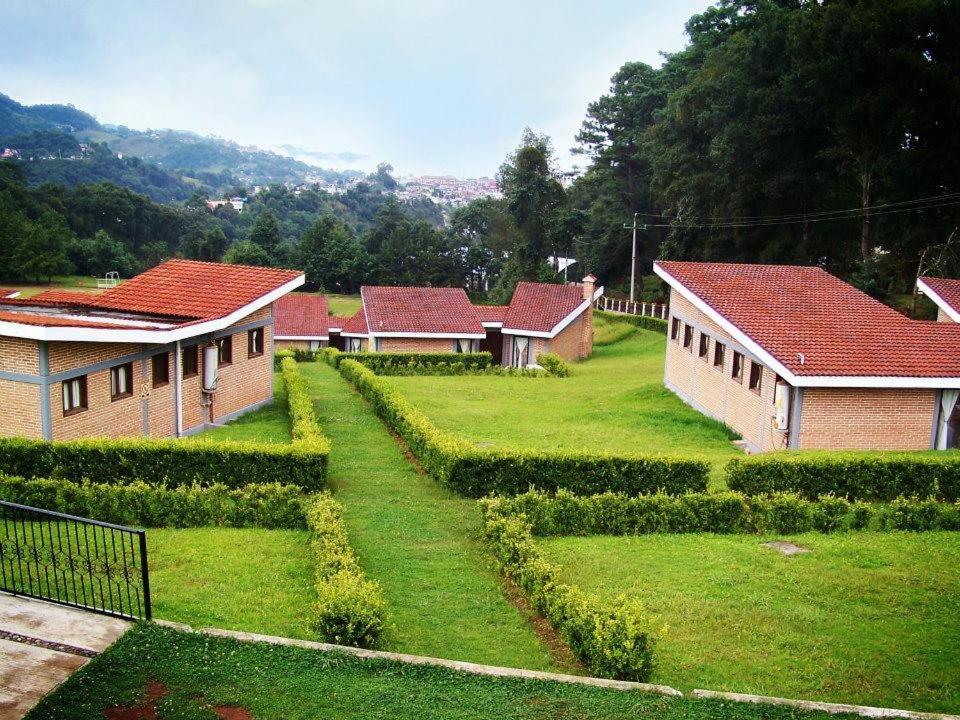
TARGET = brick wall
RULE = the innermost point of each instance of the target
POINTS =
(867, 418)
(568, 343)
(712, 389)
(942, 315)
(160, 404)
(19, 356)
(297, 344)
(429, 345)
(20, 409)
(71, 355)
(103, 417)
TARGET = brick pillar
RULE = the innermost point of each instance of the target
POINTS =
(586, 322)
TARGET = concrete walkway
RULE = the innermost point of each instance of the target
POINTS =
(42, 644)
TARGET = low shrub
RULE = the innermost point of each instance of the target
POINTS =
(279, 356)
(852, 475)
(641, 321)
(304, 428)
(350, 609)
(564, 513)
(385, 363)
(553, 364)
(167, 462)
(270, 506)
(475, 472)
(329, 355)
(614, 639)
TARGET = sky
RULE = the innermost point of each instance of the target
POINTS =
(428, 86)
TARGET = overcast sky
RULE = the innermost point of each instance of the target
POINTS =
(429, 86)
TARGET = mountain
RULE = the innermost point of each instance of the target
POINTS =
(167, 165)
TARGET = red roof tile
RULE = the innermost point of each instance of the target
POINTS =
(420, 310)
(38, 319)
(491, 313)
(7, 292)
(355, 324)
(539, 307)
(948, 291)
(300, 315)
(337, 321)
(193, 289)
(840, 331)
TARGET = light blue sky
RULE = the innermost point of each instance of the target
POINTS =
(429, 86)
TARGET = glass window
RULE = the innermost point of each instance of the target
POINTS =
(225, 350)
(704, 348)
(674, 328)
(521, 351)
(465, 346)
(255, 342)
(354, 344)
(737, 372)
(688, 337)
(756, 376)
(121, 381)
(718, 352)
(191, 362)
(161, 369)
(75, 395)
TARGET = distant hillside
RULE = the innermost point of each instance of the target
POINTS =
(174, 163)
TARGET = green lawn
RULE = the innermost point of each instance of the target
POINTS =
(615, 401)
(343, 304)
(75, 283)
(191, 676)
(418, 540)
(239, 579)
(867, 618)
(269, 424)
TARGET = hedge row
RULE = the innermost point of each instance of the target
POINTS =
(166, 462)
(642, 321)
(384, 363)
(298, 354)
(613, 639)
(853, 475)
(727, 512)
(350, 609)
(270, 506)
(304, 428)
(474, 472)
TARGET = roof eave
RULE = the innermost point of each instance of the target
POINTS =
(940, 302)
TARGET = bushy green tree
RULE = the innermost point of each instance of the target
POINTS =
(41, 252)
(247, 253)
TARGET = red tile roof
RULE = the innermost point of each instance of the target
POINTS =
(491, 313)
(301, 315)
(420, 310)
(194, 289)
(947, 290)
(338, 321)
(7, 292)
(28, 318)
(355, 324)
(539, 307)
(792, 311)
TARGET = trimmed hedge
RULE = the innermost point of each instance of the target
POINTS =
(270, 506)
(167, 462)
(474, 472)
(553, 364)
(384, 363)
(304, 428)
(614, 640)
(642, 321)
(726, 512)
(350, 609)
(853, 475)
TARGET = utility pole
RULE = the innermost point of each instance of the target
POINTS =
(633, 256)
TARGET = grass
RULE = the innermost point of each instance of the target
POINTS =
(343, 304)
(615, 401)
(607, 332)
(866, 618)
(234, 578)
(418, 540)
(59, 282)
(270, 424)
(200, 673)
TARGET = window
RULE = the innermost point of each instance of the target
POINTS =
(465, 346)
(225, 350)
(737, 373)
(191, 361)
(718, 351)
(704, 348)
(121, 381)
(161, 369)
(75, 395)
(756, 376)
(255, 342)
(688, 337)
(354, 344)
(674, 329)
(521, 351)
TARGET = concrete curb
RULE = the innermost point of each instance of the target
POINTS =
(466, 667)
(833, 708)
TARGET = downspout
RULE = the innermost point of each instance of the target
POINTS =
(177, 390)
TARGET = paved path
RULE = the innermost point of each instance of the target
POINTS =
(41, 645)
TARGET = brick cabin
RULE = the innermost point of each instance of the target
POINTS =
(301, 321)
(541, 318)
(794, 358)
(945, 293)
(133, 360)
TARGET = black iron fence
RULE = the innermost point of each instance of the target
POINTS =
(74, 561)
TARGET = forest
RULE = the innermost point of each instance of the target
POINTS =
(786, 131)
